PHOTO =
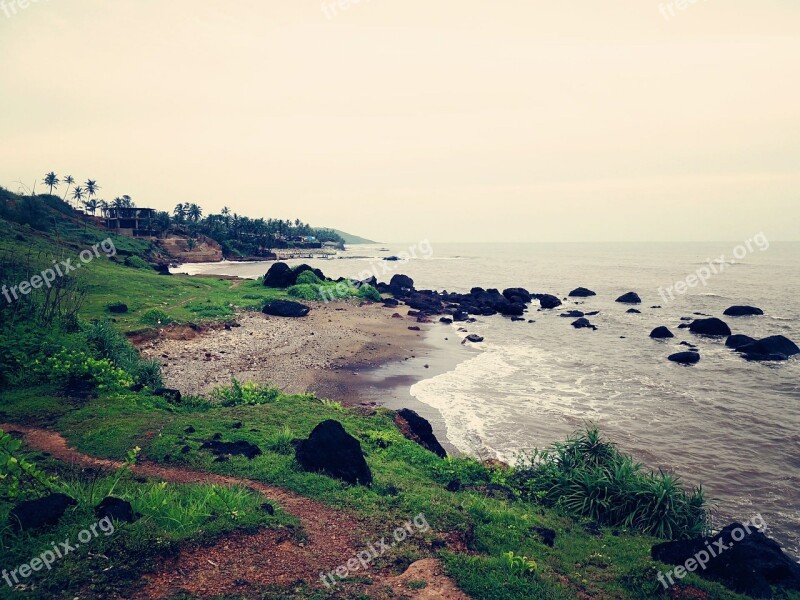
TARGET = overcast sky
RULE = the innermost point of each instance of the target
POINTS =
(399, 120)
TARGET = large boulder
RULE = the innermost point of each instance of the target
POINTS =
(629, 298)
(750, 564)
(776, 347)
(743, 311)
(517, 295)
(280, 275)
(547, 301)
(685, 358)
(401, 285)
(419, 430)
(332, 451)
(583, 323)
(661, 333)
(286, 308)
(33, 514)
(581, 292)
(738, 340)
(711, 327)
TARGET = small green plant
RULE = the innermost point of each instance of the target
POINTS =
(367, 292)
(308, 278)
(249, 393)
(156, 317)
(304, 291)
(281, 442)
(71, 368)
(417, 585)
(337, 406)
(521, 565)
(19, 476)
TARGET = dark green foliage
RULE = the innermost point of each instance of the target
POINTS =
(136, 263)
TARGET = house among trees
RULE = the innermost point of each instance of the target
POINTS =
(133, 222)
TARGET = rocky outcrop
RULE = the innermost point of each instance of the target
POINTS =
(401, 285)
(474, 338)
(629, 298)
(238, 448)
(712, 327)
(737, 341)
(743, 311)
(751, 563)
(33, 514)
(280, 275)
(286, 308)
(685, 358)
(115, 509)
(581, 292)
(661, 333)
(776, 347)
(332, 451)
(547, 301)
(583, 323)
(419, 430)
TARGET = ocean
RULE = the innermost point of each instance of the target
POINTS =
(728, 424)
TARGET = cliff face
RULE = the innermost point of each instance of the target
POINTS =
(203, 249)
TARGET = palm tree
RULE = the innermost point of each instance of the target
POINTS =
(91, 188)
(128, 201)
(179, 212)
(78, 194)
(52, 180)
(92, 206)
(194, 212)
(118, 203)
(69, 180)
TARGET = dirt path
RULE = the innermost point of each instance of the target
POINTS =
(239, 561)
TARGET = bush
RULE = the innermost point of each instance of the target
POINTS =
(111, 344)
(309, 278)
(281, 442)
(367, 292)
(137, 263)
(238, 394)
(72, 370)
(155, 317)
(304, 291)
(588, 477)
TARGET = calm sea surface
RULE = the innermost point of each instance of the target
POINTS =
(731, 425)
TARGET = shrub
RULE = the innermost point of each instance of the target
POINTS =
(111, 344)
(155, 317)
(71, 369)
(281, 442)
(309, 278)
(588, 477)
(239, 393)
(304, 291)
(367, 292)
(137, 263)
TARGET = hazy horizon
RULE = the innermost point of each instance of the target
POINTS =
(530, 122)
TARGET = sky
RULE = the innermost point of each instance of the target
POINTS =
(403, 120)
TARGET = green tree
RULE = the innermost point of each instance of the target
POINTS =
(52, 180)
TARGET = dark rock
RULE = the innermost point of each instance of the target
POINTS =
(390, 302)
(280, 275)
(684, 326)
(738, 340)
(268, 508)
(581, 292)
(419, 430)
(286, 308)
(583, 323)
(685, 358)
(592, 314)
(750, 564)
(743, 311)
(517, 319)
(573, 314)
(517, 295)
(460, 316)
(776, 347)
(33, 514)
(186, 449)
(331, 450)
(446, 320)
(118, 308)
(225, 449)
(711, 327)
(474, 338)
(392, 258)
(115, 509)
(454, 486)
(401, 285)
(548, 536)
(189, 429)
(629, 298)
(661, 333)
(414, 328)
(547, 301)
(170, 395)
(633, 311)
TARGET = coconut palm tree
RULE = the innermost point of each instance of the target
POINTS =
(91, 188)
(92, 206)
(128, 201)
(194, 212)
(179, 212)
(52, 180)
(78, 194)
(69, 180)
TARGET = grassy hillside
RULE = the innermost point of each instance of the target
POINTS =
(68, 368)
(351, 239)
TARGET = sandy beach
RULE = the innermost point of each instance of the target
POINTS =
(323, 353)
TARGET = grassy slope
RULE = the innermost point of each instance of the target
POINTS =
(408, 479)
